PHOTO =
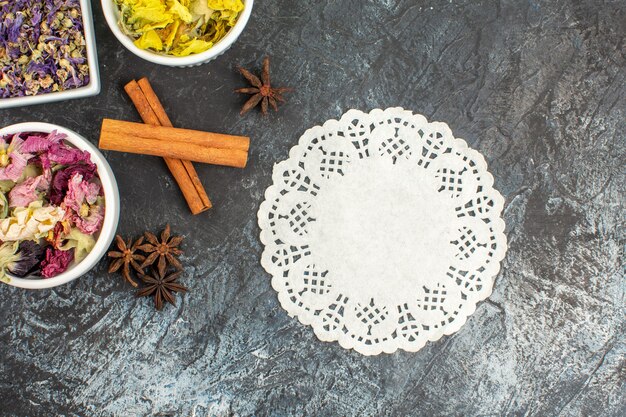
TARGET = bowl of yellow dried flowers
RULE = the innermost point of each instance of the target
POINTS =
(178, 33)
(59, 205)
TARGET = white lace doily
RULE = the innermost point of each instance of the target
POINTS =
(382, 231)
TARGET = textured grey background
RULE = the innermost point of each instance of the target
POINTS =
(537, 87)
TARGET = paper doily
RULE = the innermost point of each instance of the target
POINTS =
(382, 231)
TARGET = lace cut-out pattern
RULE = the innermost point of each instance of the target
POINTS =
(382, 231)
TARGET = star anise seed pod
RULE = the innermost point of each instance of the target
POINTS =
(261, 90)
(161, 287)
(126, 257)
(164, 250)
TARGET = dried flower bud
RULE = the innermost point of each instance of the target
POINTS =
(46, 82)
(62, 75)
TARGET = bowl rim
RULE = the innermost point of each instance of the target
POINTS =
(92, 88)
(111, 16)
(112, 204)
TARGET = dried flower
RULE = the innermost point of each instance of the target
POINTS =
(86, 205)
(40, 142)
(28, 191)
(32, 222)
(91, 217)
(80, 192)
(61, 179)
(7, 256)
(42, 47)
(29, 254)
(4, 206)
(12, 159)
(57, 234)
(82, 243)
(178, 27)
(64, 155)
(56, 262)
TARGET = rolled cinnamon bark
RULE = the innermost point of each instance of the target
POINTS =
(154, 102)
(170, 142)
(152, 112)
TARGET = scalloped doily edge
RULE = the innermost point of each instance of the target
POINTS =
(464, 313)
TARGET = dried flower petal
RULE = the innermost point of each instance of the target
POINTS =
(30, 223)
(80, 192)
(92, 221)
(39, 142)
(60, 180)
(8, 255)
(4, 206)
(82, 243)
(64, 155)
(28, 191)
(29, 255)
(178, 27)
(56, 236)
(12, 159)
(56, 262)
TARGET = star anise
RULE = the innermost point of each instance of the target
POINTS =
(126, 257)
(164, 250)
(161, 287)
(261, 90)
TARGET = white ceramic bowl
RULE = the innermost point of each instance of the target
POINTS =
(112, 15)
(91, 89)
(111, 216)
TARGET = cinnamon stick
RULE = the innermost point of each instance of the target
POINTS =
(154, 102)
(151, 111)
(171, 142)
(202, 201)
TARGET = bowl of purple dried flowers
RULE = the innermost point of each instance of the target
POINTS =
(59, 205)
(47, 51)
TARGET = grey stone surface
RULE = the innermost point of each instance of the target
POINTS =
(537, 86)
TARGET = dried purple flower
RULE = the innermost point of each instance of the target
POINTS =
(30, 255)
(60, 180)
(42, 47)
